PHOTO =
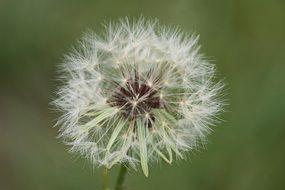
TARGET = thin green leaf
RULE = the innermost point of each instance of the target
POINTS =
(143, 147)
(115, 134)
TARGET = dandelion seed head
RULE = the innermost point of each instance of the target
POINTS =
(139, 93)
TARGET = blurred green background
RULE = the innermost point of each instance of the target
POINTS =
(245, 38)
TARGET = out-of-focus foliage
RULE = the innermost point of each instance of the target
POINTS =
(245, 38)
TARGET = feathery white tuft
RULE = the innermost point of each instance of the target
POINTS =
(139, 93)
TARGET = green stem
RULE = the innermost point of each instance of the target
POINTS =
(105, 176)
(121, 177)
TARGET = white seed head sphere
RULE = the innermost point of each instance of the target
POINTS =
(138, 93)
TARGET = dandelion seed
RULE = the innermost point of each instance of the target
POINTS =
(124, 95)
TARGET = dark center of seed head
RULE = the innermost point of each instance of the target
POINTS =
(136, 99)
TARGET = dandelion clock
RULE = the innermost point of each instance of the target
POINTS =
(137, 94)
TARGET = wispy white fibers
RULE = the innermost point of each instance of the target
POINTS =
(136, 94)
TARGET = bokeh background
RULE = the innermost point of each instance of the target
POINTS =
(245, 38)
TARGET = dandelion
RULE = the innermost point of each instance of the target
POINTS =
(140, 93)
